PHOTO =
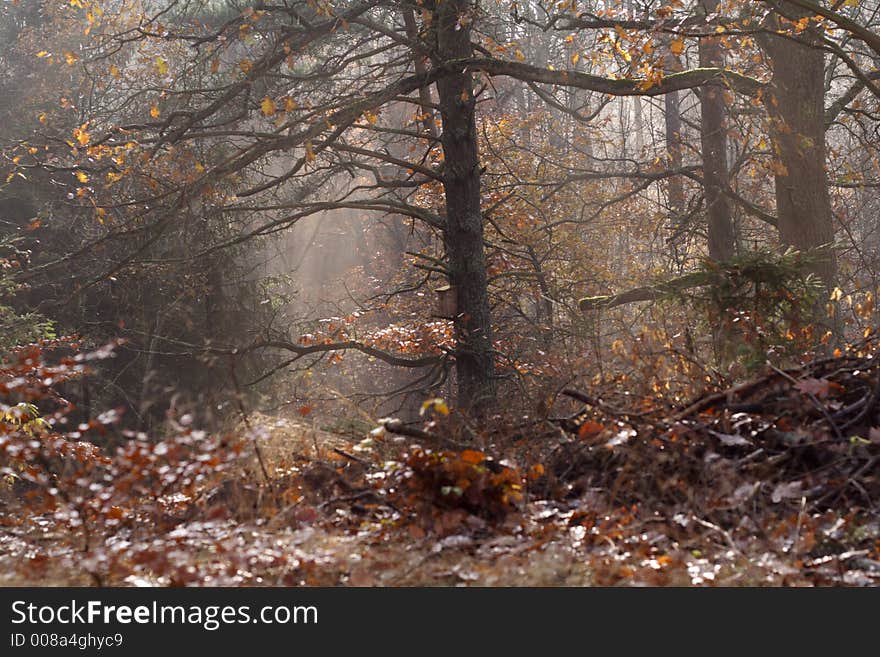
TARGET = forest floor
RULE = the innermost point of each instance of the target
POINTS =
(772, 482)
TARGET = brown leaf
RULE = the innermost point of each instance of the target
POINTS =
(811, 386)
(360, 576)
(589, 428)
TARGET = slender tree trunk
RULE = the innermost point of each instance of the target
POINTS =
(672, 117)
(420, 65)
(474, 359)
(713, 138)
(795, 105)
(675, 194)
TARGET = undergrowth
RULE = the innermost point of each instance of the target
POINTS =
(772, 481)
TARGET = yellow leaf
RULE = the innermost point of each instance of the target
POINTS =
(575, 58)
(42, 53)
(677, 46)
(370, 117)
(437, 404)
(113, 177)
(154, 112)
(43, 117)
(162, 65)
(268, 106)
(81, 135)
(82, 176)
(519, 55)
(290, 104)
(114, 71)
(70, 58)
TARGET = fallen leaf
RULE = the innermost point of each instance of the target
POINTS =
(472, 456)
(731, 439)
(786, 491)
(360, 576)
(620, 438)
(811, 386)
(589, 428)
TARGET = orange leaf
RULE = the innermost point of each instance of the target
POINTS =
(472, 456)
(81, 135)
(589, 428)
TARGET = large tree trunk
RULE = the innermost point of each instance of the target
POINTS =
(713, 138)
(474, 359)
(795, 105)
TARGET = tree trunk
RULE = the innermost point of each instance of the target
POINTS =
(713, 138)
(672, 117)
(420, 66)
(474, 361)
(675, 193)
(795, 106)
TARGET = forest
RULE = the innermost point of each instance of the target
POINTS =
(439, 292)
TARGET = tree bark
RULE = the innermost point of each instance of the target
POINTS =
(672, 117)
(463, 233)
(421, 67)
(795, 105)
(713, 138)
